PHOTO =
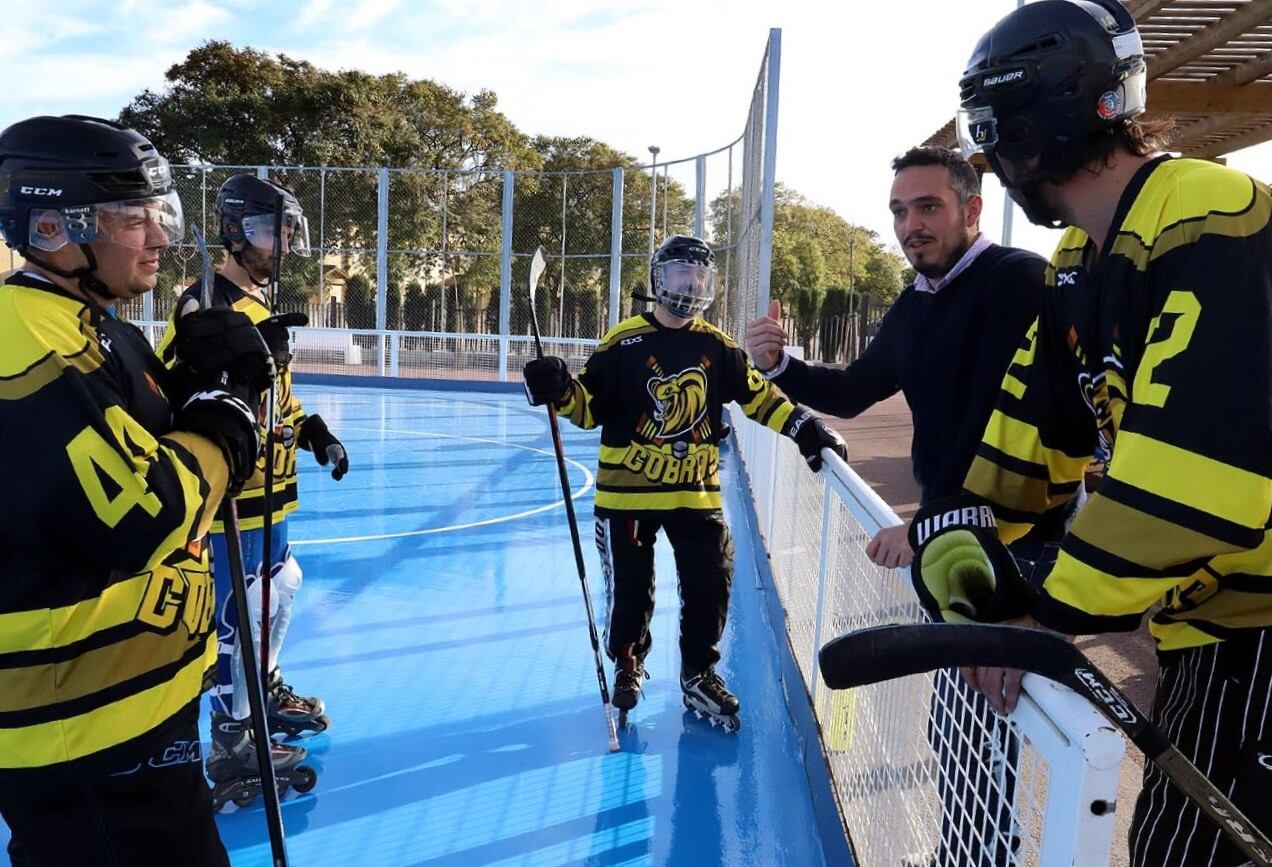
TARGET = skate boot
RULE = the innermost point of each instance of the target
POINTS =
(628, 674)
(708, 697)
(291, 714)
(233, 770)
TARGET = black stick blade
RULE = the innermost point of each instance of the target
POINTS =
(887, 652)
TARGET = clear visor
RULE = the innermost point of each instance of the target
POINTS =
(258, 230)
(139, 224)
(977, 130)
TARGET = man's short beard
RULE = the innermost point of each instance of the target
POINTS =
(936, 272)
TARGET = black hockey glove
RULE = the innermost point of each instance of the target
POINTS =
(961, 571)
(812, 435)
(225, 412)
(274, 332)
(314, 437)
(222, 339)
(547, 380)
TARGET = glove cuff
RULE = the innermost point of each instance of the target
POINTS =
(311, 429)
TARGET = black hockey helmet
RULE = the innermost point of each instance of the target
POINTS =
(1051, 72)
(78, 179)
(245, 207)
(682, 275)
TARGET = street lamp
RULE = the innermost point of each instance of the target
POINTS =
(653, 198)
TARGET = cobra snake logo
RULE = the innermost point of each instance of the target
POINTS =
(680, 401)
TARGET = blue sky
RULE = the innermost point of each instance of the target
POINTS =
(861, 82)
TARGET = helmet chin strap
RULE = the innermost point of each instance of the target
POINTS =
(86, 278)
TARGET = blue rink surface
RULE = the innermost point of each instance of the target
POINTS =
(441, 620)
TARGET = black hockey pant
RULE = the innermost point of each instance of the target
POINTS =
(152, 812)
(1213, 703)
(704, 565)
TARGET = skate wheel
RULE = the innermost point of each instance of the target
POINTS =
(304, 778)
(244, 798)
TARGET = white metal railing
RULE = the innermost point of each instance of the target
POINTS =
(922, 771)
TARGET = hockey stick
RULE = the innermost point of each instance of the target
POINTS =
(537, 264)
(887, 652)
(267, 501)
(238, 582)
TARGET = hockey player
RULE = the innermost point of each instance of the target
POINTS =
(117, 466)
(246, 213)
(1154, 339)
(657, 385)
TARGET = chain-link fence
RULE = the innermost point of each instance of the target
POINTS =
(424, 273)
(923, 773)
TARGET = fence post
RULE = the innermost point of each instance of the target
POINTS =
(773, 71)
(700, 197)
(616, 250)
(394, 343)
(821, 590)
(381, 262)
(505, 277)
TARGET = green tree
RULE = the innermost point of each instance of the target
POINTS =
(359, 299)
(413, 307)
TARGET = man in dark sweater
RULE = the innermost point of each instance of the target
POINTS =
(944, 344)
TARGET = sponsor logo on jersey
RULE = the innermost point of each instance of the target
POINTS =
(680, 401)
(631, 341)
(1066, 278)
(658, 466)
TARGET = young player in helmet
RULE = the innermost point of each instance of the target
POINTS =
(246, 211)
(1154, 339)
(118, 465)
(657, 385)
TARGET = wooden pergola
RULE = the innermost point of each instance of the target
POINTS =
(1209, 67)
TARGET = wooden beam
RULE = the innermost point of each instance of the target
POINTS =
(1205, 98)
(1142, 9)
(1228, 27)
(1246, 72)
(1188, 137)
(1257, 135)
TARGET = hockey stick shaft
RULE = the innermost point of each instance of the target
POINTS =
(889, 652)
(267, 502)
(238, 586)
(255, 695)
(559, 448)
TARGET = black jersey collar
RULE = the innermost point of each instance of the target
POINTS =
(1129, 195)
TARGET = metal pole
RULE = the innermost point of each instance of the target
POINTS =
(700, 197)
(505, 278)
(565, 180)
(381, 263)
(666, 188)
(653, 197)
(1009, 206)
(773, 70)
(616, 249)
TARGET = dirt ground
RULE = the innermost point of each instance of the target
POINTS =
(879, 450)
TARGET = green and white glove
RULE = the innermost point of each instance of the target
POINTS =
(961, 571)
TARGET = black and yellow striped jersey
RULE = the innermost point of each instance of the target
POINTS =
(1161, 349)
(288, 415)
(106, 602)
(658, 394)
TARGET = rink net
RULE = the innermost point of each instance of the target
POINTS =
(923, 772)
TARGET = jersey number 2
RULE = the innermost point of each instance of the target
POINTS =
(1185, 308)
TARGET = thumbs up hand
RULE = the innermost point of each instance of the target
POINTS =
(765, 338)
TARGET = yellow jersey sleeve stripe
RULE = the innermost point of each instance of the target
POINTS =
(657, 502)
(1230, 494)
(1020, 440)
(1147, 540)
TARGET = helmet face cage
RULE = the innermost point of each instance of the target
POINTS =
(684, 287)
(682, 276)
(258, 230)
